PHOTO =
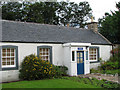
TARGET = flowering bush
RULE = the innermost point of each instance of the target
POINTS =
(33, 68)
(116, 50)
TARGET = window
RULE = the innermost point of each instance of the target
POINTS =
(45, 52)
(73, 56)
(93, 53)
(9, 57)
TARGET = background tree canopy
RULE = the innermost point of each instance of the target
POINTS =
(57, 13)
(109, 25)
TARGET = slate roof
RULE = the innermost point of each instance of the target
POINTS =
(13, 31)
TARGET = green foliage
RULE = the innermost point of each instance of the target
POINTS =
(109, 25)
(12, 11)
(93, 81)
(57, 13)
(94, 71)
(110, 65)
(112, 71)
(33, 68)
(61, 70)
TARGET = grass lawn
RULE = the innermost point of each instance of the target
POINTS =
(48, 83)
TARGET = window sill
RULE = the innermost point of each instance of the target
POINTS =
(94, 61)
(9, 68)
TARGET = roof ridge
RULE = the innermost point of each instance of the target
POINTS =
(42, 24)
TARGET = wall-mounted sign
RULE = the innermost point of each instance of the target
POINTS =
(80, 48)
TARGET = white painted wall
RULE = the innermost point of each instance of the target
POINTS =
(61, 55)
(67, 58)
(25, 49)
(104, 51)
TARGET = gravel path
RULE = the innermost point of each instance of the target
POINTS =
(112, 78)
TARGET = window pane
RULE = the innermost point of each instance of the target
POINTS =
(73, 56)
(12, 62)
(8, 63)
(43, 53)
(8, 50)
(4, 50)
(44, 50)
(8, 53)
(12, 50)
(81, 60)
(3, 54)
(77, 59)
(8, 59)
(47, 57)
(3, 63)
(12, 54)
(77, 54)
(40, 50)
(12, 58)
(3, 59)
(80, 54)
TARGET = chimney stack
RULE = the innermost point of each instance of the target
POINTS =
(93, 26)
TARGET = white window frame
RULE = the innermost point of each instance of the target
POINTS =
(45, 53)
(50, 51)
(97, 52)
(7, 66)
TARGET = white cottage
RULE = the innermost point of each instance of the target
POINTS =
(78, 49)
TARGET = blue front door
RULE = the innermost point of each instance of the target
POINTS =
(80, 62)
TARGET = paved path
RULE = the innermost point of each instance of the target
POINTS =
(103, 76)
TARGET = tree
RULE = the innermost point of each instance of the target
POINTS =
(109, 25)
(57, 13)
(12, 11)
(74, 14)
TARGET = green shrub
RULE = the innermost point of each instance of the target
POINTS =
(110, 65)
(33, 68)
(115, 58)
(94, 71)
(61, 70)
